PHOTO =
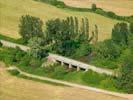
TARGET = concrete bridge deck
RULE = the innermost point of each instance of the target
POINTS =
(54, 57)
(78, 64)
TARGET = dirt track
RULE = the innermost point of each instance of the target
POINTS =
(13, 88)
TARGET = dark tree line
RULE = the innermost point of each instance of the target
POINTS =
(68, 34)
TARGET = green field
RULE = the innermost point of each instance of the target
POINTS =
(12, 10)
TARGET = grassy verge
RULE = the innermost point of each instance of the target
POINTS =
(20, 41)
(17, 74)
(56, 71)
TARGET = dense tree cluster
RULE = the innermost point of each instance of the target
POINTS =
(108, 50)
(68, 35)
(120, 33)
(30, 26)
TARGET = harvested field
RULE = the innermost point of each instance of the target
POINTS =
(120, 7)
(12, 10)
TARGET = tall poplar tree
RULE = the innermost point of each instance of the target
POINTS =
(30, 27)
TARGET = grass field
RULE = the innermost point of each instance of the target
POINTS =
(13, 88)
(12, 10)
(120, 7)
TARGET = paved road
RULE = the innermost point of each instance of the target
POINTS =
(62, 58)
(128, 96)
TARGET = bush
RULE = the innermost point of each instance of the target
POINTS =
(17, 54)
(108, 83)
(1, 44)
(30, 26)
(107, 50)
(49, 69)
(35, 62)
(111, 14)
(58, 4)
(93, 78)
(14, 72)
(100, 11)
(59, 72)
(83, 50)
(125, 79)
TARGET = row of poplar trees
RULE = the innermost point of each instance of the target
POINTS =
(71, 28)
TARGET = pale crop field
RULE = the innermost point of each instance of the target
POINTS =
(14, 88)
(12, 10)
(120, 7)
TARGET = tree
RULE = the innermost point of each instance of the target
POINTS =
(30, 26)
(131, 27)
(37, 48)
(52, 29)
(120, 33)
(76, 25)
(125, 78)
(84, 49)
(67, 35)
(87, 27)
(107, 50)
(94, 7)
(17, 54)
(67, 48)
(1, 44)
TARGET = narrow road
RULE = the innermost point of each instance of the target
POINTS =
(128, 96)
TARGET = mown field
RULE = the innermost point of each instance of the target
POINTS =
(12, 10)
(120, 7)
(13, 88)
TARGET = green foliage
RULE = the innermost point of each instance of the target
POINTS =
(111, 14)
(67, 35)
(125, 78)
(94, 7)
(107, 50)
(35, 62)
(1, 44)
(30, 26)
(109, 83)
(20, 41)
(131, 28)
(37, 46)
(93, 78)
(56, 3)
(59, 72)
(14, 72)
(120, 33)
(67, 48)
(83, 50)
(17, 54)
(32, 65)
(10, 56)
